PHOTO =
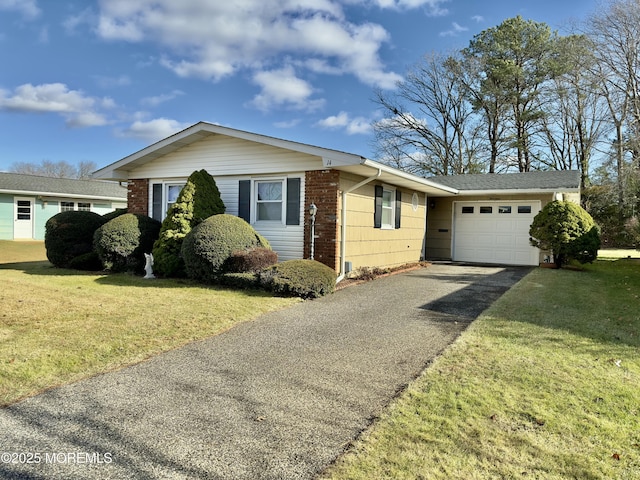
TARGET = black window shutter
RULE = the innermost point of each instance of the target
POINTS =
(398, 207)
(293, 201)
(156, 201)
(377, 214)
(244, 200)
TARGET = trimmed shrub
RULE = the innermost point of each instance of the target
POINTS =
(199, 199)
(252, 260)
(241, 281)
(300, 278)
(122, 242)
(116, 213)
(207, 248)
(567, 231)
(88, 261)
(69, 235)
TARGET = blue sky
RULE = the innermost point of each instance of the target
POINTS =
(100, 79)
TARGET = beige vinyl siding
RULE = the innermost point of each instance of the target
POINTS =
(222, 156)
(368, 246)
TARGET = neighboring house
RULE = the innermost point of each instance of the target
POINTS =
(368, 214)
(28, 201)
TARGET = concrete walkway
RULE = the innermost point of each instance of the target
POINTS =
(276, 398)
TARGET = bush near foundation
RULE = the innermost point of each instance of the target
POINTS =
(199, 199)
(122, 242)
(208, 246)
(567, 231)
(299, 278)
(252, 260)
(69, 235)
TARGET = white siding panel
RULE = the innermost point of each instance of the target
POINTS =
(222, 156)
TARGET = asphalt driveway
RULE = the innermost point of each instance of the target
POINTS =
(277, 398)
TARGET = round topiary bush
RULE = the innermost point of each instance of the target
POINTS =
(567, 231)
(122, 242)
(252, 260)
(208, 246)
(69, 235)
(116, 213)
(300, 278)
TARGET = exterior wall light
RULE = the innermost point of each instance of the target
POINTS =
(313, 210)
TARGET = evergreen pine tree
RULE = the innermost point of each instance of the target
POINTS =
(198, 200)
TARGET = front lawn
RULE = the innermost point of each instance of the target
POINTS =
(58, 326)
(545, 385)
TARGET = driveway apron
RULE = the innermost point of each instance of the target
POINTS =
(276, 398)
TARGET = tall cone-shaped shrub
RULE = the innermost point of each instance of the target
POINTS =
(198, 200)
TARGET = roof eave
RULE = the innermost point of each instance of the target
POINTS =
(63, 195)
(519, 191)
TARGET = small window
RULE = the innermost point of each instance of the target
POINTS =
(84, 207)
(387, 208)
(486, 209)
(66, 206)
(467, 209)
(504, 209)
(269, 201)
(415, 202)
(24, 210)
(524, 208)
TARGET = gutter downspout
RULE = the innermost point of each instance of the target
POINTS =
(343, 222)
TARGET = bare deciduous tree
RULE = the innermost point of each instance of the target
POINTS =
(61, 169)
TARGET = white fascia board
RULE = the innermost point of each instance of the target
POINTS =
(409, 176)
(516, 191)
(61, 195)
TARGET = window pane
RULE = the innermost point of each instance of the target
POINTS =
(269, 191)
(387, 216)
(24, 210)
(270, 211)
(506, 209)
(467, 209)
(172, 193)
(524, 209)
(85, 207)
(486, 209)
(387, 198)
(66, 206)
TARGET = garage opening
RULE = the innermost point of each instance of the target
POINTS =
(494, 232)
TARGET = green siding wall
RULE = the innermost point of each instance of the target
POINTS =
(6, 217)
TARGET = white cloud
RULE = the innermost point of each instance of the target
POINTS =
(159, 99)
(288, 123)
(281, 88)
(78, 109)
(28, 8)
(454, 31)
(214, 40)
(433, 6)
(153, 130)
(478, 18)
(343, 120)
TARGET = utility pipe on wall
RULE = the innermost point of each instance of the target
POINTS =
(343, 221)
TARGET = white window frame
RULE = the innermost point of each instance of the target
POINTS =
(255, 202)
(74, 206)
(165, 194)
(392, 191)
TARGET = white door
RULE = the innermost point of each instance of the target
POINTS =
(23, 216)
(494, 232)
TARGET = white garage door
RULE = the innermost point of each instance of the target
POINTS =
(494, 232)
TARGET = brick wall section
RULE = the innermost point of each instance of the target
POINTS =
(138, 196)
(321, 188)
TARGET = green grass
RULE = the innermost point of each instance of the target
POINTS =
(58, 326)
(545, 385)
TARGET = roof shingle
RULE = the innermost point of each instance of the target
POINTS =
(66, 187)
(538, 180)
